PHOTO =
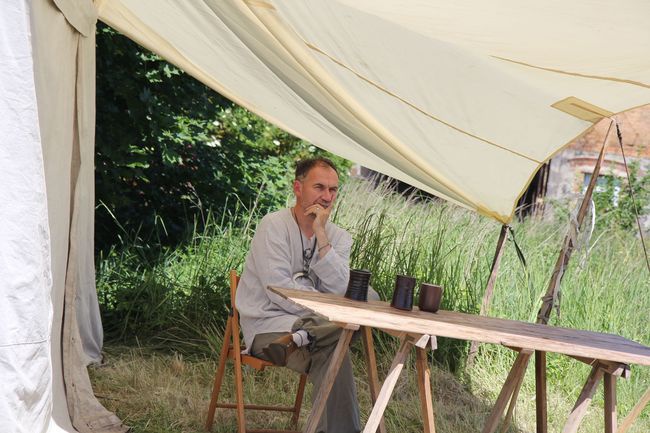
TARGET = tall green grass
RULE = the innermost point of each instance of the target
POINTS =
(179, 296)
(148, 291)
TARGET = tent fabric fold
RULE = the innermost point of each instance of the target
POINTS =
(64, 75)
(25, 309)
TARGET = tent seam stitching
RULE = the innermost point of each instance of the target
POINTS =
(415, 107)
(575, 74)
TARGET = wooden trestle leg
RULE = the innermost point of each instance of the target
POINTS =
(580, 408)
(424, 384)
(610, 403)
(371, 365)
(326, 386)
(388, 386)
(541, 408)
(634, 413)
(518, 370)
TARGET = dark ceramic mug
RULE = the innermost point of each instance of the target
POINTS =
(358, 285)
(403, 293)
(430, 297)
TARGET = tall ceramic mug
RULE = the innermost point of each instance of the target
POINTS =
(358, 285)
(403, 293)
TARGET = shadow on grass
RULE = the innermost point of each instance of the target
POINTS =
(163, 392)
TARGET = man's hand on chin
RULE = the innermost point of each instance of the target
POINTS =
(321, 214)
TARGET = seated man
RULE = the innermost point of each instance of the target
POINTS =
(299, 248)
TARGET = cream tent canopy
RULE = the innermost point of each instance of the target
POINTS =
(464, 99)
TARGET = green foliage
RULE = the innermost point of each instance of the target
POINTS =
(168, 293)
(181, 293)
(169, 148)
(615, 206)
(400, 235)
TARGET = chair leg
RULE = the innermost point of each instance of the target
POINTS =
(298, 403)
(218, 377)
(239, 384)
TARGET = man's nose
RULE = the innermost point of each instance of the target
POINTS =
(327, 195)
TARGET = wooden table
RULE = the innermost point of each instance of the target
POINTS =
(609, 355)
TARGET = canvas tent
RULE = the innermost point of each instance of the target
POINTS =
(463, 99)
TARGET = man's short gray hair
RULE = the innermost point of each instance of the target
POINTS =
(304, 166)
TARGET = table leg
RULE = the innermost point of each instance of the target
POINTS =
(424, 383)
(634, 414)
(540, 392)
(388, 386)
(505, 425)
(371, 365)
(332, 370)
(610, 403)
(518, 369)
(587, 393)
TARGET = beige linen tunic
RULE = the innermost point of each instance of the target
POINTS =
(275, 256)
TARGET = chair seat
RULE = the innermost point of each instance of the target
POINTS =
(252, 361)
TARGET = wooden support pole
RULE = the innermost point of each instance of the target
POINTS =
(541, 407)
(610, 403)
(634, 413)
(567, 248)
(326, 386)
(489, 290)
(388, 386)
(424, 384)
(371, 365)
(584, 399)
(544, 313)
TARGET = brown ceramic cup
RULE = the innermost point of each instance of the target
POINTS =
(358, 285)
(430, 297)
(403, 293)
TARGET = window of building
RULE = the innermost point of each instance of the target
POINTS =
(604, 183)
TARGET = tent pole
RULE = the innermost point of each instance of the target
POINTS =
(548, 301)
(489, 290)
(567, 248)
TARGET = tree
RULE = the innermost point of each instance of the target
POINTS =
(169, 147)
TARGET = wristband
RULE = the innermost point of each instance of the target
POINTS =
(326, 245)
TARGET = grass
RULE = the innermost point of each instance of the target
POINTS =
(165, 393)
(175, 300)
(169, 393)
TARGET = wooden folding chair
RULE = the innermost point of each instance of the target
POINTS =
(231, 350)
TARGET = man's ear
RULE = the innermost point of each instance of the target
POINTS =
(297, 188)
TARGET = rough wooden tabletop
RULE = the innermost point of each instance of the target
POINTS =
(377, 314)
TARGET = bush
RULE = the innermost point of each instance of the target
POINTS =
(615, 205)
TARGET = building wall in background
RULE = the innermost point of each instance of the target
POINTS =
(572, 167)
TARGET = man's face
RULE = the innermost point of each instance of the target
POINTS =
(320, 186)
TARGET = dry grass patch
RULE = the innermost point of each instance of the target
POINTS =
(167, 392)
(163, 393)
